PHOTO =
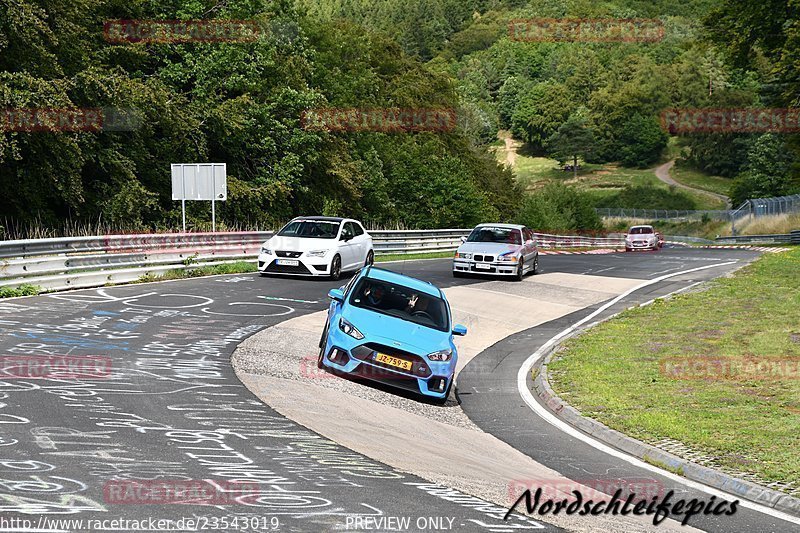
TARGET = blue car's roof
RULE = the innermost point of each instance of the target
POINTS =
(406, 281)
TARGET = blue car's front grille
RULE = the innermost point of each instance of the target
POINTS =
(367, 352)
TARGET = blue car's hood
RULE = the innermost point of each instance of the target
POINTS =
(389, 330)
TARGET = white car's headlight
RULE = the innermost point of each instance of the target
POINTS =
(266, 251)
(509, 257)
(317, 253)
(350, 329)
(441, 355)
(461, 255)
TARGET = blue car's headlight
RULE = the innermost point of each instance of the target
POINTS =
(441, 355)
(265, 250)
(350, 329)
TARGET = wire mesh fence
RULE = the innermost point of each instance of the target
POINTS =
(753, 208)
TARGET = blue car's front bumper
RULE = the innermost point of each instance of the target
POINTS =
(357, 357)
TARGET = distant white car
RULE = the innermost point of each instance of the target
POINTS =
(504, 249)
(317, 246)
(642, 238)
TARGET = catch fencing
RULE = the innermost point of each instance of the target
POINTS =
(80, 262)
(754, 208)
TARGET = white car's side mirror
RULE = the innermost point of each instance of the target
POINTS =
(463, 239)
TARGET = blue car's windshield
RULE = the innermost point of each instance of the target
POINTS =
(501, 235)
(313, 229)
(401, 302)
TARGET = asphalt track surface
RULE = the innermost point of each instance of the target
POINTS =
(171, 409)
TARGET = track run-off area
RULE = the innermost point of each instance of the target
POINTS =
(215, 379)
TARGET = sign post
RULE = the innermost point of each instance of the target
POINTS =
(199, 181)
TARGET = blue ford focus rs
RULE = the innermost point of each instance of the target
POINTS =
(394, 329)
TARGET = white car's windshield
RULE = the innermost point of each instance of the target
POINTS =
(313, 229)
(401, 302)
(491, 234)
(640, 231)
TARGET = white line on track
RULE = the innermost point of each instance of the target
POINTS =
(547, 416)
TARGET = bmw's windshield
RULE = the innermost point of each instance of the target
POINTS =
(401, 302)
(491, 234)
(312, 229)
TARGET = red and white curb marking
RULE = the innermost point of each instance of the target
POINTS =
(772, 249)
(586, 252)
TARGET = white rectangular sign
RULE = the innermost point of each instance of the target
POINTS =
(199, 181)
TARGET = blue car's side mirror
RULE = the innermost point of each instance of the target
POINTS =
(460, 330)
(336, 294)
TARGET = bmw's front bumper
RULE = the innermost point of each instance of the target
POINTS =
(498, 268)
(347, 355)
(306, 266)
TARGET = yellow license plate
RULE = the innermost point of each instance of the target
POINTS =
(393, 361)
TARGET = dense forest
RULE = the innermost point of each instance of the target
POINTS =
(241, 103)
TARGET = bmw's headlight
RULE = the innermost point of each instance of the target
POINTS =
(350, 329)
(441, 355)
(461, 255)
(509, 257)
(317, 253)
(266, 251)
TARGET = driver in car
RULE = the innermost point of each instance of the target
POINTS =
(416, 304)
(374, 294)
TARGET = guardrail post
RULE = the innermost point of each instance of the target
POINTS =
(795, 236)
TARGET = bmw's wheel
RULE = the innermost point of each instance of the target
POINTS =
(535, 269)
(370, 259)
(336, 268)
(520, 270)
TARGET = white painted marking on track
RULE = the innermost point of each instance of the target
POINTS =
(553, 420)
(289, 310)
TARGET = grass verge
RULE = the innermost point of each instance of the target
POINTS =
(697, 179)
(239, 267)
(533, 170)
(23, 290)
(623, 372)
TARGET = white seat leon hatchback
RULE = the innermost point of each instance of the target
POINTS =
(317, 246)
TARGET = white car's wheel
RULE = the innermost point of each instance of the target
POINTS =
(336, 268)
(370, 259)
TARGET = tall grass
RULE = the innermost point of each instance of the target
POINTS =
(777, 224)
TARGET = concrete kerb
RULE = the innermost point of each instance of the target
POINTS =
(708, 476)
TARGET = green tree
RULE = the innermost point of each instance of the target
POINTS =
(641, 141)
(540, 110)
(558, 208)
(572, 140)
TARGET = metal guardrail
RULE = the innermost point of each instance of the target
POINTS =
(80, 262)
(787, 238)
